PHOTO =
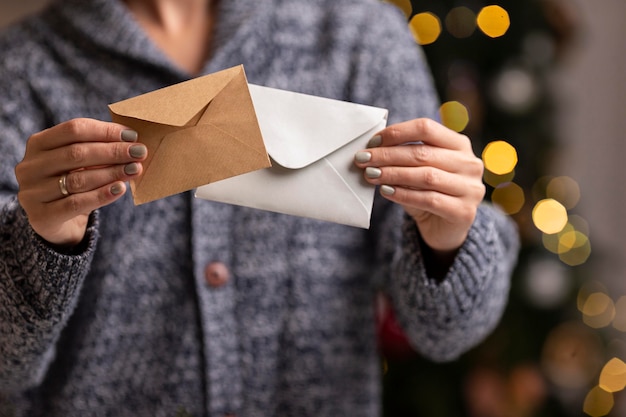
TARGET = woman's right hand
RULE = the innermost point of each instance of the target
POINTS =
(72, 169)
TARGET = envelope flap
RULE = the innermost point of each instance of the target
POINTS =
(177, 104)
(299, 129)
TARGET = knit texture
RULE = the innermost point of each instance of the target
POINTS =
(127, 326)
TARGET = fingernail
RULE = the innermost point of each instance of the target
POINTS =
(138, 151)
(131, 169)
(117, 188)
(371, 172)
(362, 157)
(129, 135)
(387, 190)
(375, 141)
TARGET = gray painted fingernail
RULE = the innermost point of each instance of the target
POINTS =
(131, 169)
(387, 190)
(362, 157)
(117, 188)
(371, 172)
(129, 135)
(375, 142)
(138, 151)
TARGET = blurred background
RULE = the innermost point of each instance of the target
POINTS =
(538, 85)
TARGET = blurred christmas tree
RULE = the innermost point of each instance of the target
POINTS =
(494, 62)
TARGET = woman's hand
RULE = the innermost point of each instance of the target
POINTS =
(438, 181)
(72, 169)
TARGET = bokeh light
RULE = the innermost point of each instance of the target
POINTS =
(547, 284)
(598, 310)
(549, 216)
(598, 402)
(613, 376)
(586, 289)
(515, 90)
(508, 196)
(570, 240)
(565, 190)
(571, 243)
(572, 355)
(574, 248)
(496, 180)
(551, 241)
(493, 21)
(461, 22)
(454, 115)
(499, 157)
(425, 28)
(619, 322)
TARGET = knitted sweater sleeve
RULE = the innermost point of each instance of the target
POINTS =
(38, 285)
(445, 318)
(38, 290)
(442, 318)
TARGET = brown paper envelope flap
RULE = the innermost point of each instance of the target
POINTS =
(232, 111)
(191, 157)
(178, 104)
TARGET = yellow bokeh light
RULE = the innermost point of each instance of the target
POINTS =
(565, 190)
(493, 21)
(461, 22)
(613, 376)
(499, 157)
(619, 322)
(495, 180)
(571, 243)
(598, 310)
(578, 253)
(585, 290)
(509, 196)
(454, 115)
(425, 28)
(549, 216)
(598, 402)
(552, 241)
(571, 240)
(404, 5)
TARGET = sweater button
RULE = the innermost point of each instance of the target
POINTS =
(216, 274)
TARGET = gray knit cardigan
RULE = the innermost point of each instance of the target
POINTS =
(126, 324)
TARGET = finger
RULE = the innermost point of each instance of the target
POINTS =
(65, 209)
(85, 180)
(87, 155)
(81, 130)
(423, 130)
(421, 155)
(439, 204)
(422, 178)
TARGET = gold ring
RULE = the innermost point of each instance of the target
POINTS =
(63, 185)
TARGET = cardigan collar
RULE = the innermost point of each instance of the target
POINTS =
(241, 32)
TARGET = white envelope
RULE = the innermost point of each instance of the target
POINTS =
(311, 142)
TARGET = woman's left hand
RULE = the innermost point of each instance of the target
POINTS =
(433, 173)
